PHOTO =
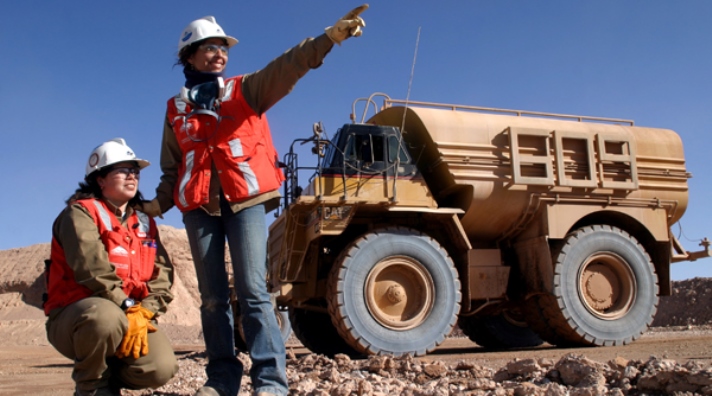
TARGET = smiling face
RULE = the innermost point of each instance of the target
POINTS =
(209, 57)
(120, 184)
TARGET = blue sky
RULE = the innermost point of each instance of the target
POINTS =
(77, 73)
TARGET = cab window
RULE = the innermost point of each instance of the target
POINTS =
(395, 149)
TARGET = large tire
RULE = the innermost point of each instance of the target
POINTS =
(504, 331)
(394, 291)
(316, 332)
(605, 291)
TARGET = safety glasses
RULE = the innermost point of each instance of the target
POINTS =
(126, 171)
(214, 48)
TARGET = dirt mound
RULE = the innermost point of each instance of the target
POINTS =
(22, 285)
(689, 304)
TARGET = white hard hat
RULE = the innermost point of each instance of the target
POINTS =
(112, 152)
(201, 29)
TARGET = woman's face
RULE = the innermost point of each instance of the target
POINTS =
(121, 183)
(211, 56)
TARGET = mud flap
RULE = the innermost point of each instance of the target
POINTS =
(534, 261)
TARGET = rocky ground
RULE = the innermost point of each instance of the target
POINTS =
(571, 375)
(22, 324)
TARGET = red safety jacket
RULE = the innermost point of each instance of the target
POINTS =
(131, 249)
(240, 146)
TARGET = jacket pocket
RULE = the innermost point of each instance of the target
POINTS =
(148, 258)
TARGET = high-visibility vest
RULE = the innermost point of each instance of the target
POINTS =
(240, 145)
(131, 250)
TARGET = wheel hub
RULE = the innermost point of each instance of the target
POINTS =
(599, 290)
(607, 286)
(399, 293)
(395, 294)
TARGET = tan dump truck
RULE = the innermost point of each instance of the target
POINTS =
(520, 227)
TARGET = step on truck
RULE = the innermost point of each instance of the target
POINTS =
(519, 227)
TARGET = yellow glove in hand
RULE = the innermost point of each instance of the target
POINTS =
(135, 342)
(349, 25)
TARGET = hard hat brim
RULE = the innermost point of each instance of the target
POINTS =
(142, 163)
(229, 39)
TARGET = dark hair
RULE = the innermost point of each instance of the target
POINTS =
(89, 188)
(186, 52)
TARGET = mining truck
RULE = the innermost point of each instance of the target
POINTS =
(519, 227)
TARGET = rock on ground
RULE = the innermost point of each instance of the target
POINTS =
(575, 375)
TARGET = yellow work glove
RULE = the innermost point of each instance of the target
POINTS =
(151, 208)
(349, 25)
(135, 342)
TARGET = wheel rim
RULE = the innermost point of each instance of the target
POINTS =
(399, 293)
(607, 286)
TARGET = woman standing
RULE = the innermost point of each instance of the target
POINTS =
(220, 169)
(109, 277)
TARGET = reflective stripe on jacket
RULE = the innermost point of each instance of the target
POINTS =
(240, 146)
(131, 250)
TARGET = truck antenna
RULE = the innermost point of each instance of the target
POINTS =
(412, 72)
(405, 110)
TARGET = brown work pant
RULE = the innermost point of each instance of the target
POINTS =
(90, 330)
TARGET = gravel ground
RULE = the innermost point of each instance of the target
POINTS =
(569, 374)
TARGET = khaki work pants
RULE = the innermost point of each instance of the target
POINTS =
(90, 330)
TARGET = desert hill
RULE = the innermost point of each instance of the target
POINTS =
(21, 286)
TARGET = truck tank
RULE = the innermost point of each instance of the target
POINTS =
(496, 166)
